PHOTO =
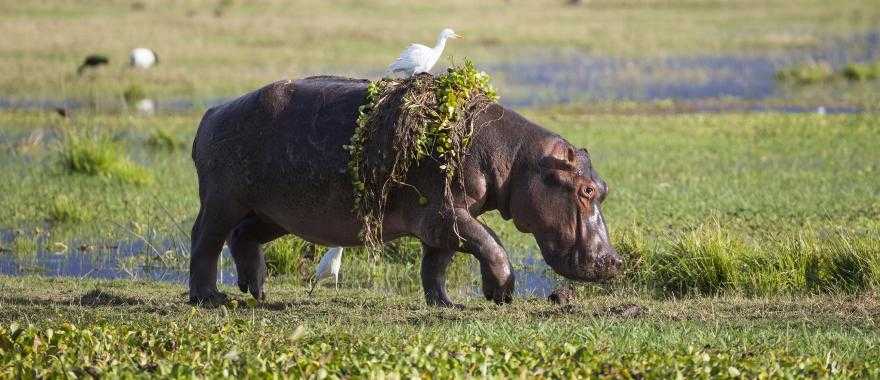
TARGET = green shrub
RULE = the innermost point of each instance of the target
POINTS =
(162, 139)
(99, 156)
(806, 74)
(63, 209)
(862, 71)
(776, 270)
(633, 248)
(841, 263)
(24, 245)
(404, 250)
(700, 262)
(286, 254)
(133, 94)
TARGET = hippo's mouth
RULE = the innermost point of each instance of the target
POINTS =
(579, 265)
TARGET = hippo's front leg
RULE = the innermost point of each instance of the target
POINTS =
(480, 241)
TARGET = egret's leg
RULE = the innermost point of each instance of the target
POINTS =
(314, 284)
(336, 282)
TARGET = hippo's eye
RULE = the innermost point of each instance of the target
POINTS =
(587, 191)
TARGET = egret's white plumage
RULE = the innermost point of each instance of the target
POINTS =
(328, 267)
(143, 58)
(419, 58)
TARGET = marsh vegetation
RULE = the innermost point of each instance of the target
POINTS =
(751, 239)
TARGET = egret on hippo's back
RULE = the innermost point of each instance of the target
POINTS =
(418, 58)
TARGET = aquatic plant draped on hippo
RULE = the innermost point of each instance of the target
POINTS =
(272, 163)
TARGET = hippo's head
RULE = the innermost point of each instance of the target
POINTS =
(558, 200)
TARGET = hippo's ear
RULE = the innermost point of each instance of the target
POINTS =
(562, 157)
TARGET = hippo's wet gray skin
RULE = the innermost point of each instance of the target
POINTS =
(272, 162)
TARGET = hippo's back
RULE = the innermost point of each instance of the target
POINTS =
(281, 141)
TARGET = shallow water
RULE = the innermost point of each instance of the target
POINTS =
(139, 260)
(550, 80)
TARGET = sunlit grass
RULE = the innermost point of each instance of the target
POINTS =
(97, 155)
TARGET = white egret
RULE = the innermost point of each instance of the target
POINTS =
(419, 58)
(143, 58)
(329, 266)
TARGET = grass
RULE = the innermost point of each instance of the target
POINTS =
(286, 255)
(710, 261)
(133, 94)
(750, 244)
(63, 209)
(820, 72)
(298, 38)
(862, 71)
(701, 204)
(809, 73)
(163, 139)
(96, 155)
(124, 328)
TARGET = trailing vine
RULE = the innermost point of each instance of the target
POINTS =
(405, 121)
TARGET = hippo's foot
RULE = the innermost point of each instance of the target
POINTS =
(441, 300)
(499, 292)
(252, 281)
(447, 304)
(207, 296)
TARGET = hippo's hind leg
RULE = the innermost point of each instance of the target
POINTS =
(434, 264)
(216, 219)
(244, 244)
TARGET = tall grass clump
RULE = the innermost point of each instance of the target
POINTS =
(133, 94)
(768, 271)
(632, 245)
(862, 71)
(813, 72)
(24, 245)
(64, 209)
(710, 261)
(286, 255)
(841, 263)
(161, 139)
(99, 156)
(700, 262)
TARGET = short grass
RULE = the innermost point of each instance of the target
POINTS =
(65, 327)
(213, 48)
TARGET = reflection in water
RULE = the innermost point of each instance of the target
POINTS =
(121, 260)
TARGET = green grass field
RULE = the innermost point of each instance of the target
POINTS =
(751, 240)
(72, 328)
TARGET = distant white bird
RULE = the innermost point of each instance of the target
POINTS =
(143, 58)
(329, 266)
(420, 58)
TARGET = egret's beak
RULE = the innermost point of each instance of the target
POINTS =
(457, 36)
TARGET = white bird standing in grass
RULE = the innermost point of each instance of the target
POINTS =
(419, 58)
(143, 58)
(329, 266)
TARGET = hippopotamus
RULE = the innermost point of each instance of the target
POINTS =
(272, 162)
